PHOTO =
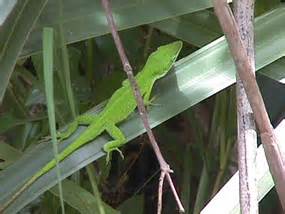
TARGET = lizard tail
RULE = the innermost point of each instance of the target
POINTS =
(86, 137)
(18, 193)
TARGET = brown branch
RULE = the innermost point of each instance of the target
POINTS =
(165, 169)
(160, 190)
(245, 70)
(247, 137)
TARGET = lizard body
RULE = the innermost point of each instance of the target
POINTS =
(121, 104)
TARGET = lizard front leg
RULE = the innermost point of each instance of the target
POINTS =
(85, 119)
(146, 98)
(119, 140)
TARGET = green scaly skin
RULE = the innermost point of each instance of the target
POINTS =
(119, 107)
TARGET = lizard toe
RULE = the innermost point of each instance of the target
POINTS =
(120, 152)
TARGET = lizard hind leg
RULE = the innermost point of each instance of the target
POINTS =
(85, 119)
(119, 140)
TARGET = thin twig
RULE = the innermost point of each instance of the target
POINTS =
(273, 152)
(247, 136)
(160, 189)
(174, 191)
(142, 111)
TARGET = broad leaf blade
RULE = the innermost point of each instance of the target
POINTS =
(8, 155)
(5, 9)
(86, 18)
(198, 28)
(80, 199)
(201, 27)
(275, 70)
(13, 35)
(265, 183)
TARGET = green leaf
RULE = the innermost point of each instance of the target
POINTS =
(8, 155)
(230, 191)
(9, 121)
(80, 199)
(13, 35)
(202, 27)
(275, 70)
(48, 58)
(90, 21)
(195, 78)
(198, 28)
(5, 10)
(132, 204)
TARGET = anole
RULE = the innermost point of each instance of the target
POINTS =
(121, 104)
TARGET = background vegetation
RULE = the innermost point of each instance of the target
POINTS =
(195, 110)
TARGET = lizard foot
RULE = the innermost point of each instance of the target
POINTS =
(109, 154)
(151, 103)
(45, 139)
(61, 136)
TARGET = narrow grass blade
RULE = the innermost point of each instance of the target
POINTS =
(48, 39)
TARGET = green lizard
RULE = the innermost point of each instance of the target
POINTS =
(119, 107)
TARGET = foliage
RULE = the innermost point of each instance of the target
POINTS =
(198, 142)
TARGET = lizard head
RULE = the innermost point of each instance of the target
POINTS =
(160, 61)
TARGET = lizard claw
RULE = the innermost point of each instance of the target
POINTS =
(120, 152)
(108, 158)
